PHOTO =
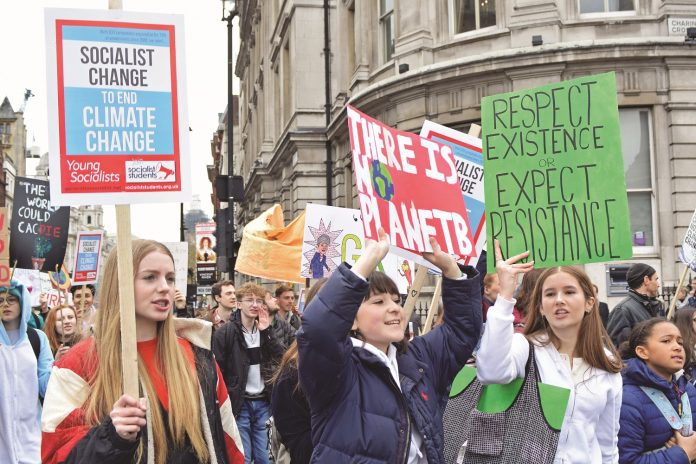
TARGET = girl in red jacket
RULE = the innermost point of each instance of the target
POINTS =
(185, 416)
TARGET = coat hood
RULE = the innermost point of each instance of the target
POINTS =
(21, 292)
(639, 374)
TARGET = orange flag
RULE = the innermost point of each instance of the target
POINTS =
(270, 249)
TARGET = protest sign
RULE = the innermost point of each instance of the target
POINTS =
(87, 257)
(180, 252)
(409, 186)
(343, 230)
(5, 268)
(687, 254)
(469, 162)
(31, 279)
(117, 107)
(39, 230)
(555, 173)
(56, 298)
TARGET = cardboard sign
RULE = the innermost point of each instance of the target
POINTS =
(5, 268)
(343, 228)
(469, 162)
(87, 257)
(117, 107)
(39, 230)
(180, 252)
(409, 186)
(555, 173)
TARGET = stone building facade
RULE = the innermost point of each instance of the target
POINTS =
(406, 61)
(13, 145)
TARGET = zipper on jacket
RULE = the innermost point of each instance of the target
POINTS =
(404, 407)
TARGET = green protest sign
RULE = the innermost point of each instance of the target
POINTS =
(554, 177)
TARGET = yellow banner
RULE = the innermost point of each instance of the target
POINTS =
(270, 249)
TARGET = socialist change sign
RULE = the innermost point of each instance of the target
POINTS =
(118, 128)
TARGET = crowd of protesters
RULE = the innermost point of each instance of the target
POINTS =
(255, 380)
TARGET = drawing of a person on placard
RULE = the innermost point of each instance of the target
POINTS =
(318, 263)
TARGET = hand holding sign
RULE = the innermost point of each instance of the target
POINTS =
(442, 260)
(507, 270)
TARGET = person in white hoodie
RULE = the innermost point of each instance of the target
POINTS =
(25, 367)
(572, 350)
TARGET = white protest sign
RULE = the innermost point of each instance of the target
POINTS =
(687, 254)
(117, 107)
(87, 257)
(31, 279)
(180, 251)
(344, 230)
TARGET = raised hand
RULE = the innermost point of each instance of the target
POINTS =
(264, 320)
(442, 260)
(508, 269)
(128, 416)
(374, 252)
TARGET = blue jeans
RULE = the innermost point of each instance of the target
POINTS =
(252, 429)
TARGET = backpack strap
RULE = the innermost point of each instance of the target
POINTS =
(681, 422)
(35, 341)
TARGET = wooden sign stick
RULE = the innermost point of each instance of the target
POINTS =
(129, 350)
(434, 304)
(673, 303)
(414, 291)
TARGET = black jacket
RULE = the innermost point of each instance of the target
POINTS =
(230, 351)
(630, 311)
(103, 445)
(292, 416)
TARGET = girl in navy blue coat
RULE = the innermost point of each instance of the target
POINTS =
(375, 398)
(655, 389)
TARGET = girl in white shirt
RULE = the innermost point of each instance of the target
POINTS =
(572, 351)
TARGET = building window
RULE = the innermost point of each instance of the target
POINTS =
(636, 140)
(89, 219)
(471, 15)
(386, 22)
(606, 6)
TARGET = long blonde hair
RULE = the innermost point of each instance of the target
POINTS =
(184, 418)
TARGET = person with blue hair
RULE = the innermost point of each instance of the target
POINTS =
(25, 367)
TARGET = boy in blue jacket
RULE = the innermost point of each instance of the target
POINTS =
(374, 396)
(658, 405)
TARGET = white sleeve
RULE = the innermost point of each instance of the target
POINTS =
(608, 426)
(503, 354)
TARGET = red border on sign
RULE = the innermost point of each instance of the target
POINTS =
(118, 160)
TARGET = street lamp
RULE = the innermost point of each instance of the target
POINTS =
(229, 11)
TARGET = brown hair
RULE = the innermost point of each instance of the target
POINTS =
(592, 337)
(639, 336)
(524, 296)
(282, 289)
(250, 288)
(684, 320)
(54, 338)
(488, 279)
(184, 418)
(291, 356)
(216, 290)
